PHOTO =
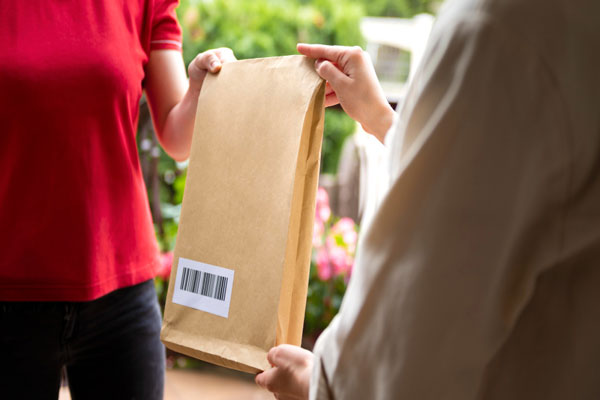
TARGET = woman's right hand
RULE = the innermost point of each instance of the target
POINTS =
(354, 85)
(208, 61)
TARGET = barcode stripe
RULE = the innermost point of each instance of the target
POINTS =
(183, 278)
(205, 284)
(196, 283)
(221, 286)
(192, 281)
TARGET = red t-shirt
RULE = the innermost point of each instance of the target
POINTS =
(74, 216)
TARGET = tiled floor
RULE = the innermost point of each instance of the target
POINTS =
(206, 385)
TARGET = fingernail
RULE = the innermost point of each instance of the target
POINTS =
(215, 64)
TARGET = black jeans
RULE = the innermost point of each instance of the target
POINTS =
(110, 347)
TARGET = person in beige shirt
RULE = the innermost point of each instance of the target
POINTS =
(479, 276)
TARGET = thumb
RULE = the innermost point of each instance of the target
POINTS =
(207, 61)
(214, 63)
(330, 73)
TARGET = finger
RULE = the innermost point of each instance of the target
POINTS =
(279, 356)
(224, 50)
(225, 55)
(328, 88)
(208, 61)
(331, 53)
(330, 73)
(287, 354)
(331, 100)
(268, 379)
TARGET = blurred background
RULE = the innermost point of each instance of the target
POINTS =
(393, 32)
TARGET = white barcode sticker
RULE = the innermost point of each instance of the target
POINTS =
(204, 287)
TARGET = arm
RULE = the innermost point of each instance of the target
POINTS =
(173, 99)
(472, 219)
(352, 83)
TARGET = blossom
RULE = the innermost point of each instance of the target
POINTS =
(318, 230)
(350, 238)
(343, 225)
(340, 259)
(345, 228)
(331, 240)
(164, 269)
(323, 211)
(324, 270)
(334, 254)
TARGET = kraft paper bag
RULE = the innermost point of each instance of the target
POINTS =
(240, 272)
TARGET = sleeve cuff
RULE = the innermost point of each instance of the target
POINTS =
(162, 44)
(319, 384)
(392, 131)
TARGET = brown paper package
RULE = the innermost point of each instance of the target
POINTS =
(248, 207)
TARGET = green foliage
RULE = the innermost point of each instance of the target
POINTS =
(265, 28)
(399, 8)
(323, 302)
(338, 126)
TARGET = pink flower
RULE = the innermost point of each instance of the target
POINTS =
(164, 270)
(350, 239)
(324, 270)
(345, 228)
(343, 225)
(331, 241)
(340, 259)
(318, 230)
(323, 211)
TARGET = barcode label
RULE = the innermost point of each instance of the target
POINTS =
(214, 286)
(204, 287)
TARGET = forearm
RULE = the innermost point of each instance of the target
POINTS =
(173, 99)
(176, 133)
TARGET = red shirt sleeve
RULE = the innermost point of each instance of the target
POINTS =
(166, 31)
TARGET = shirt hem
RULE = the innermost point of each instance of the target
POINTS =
(77, 293)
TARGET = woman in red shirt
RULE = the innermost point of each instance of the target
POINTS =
(78, 250)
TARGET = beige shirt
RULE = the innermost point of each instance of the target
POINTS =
(479, 276)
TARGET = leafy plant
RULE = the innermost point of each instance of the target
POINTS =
(334, 246)
(399, 8)
(265, 28)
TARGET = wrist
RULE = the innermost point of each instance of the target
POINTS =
(194, 87)
(381, 122)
